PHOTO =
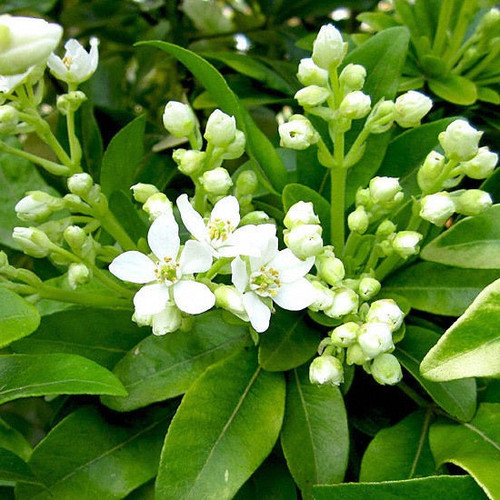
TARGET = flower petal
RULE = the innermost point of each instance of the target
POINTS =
(239, 274)
(133, 266)
(227, 209)
(151, 299)
(192, 219)
(268, 245)
(295, 296)
(289, 266)
(195, 258)
(193, 297)
(248, 240)
(258, 312)
(163, 237)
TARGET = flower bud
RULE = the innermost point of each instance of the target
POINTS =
(386, 369)
(345, 301)
(385, 229)
(437, 208)
(430, 170)
(75, 237)
(363, 197)
(312, 95)
(375, 338)
(247, 183)
(217, 181)
(311, 74)
(221, 129)
(368, 287)
(326, 370)
(323, 298)
(157, 204)
(358, 220)
(9, 119)
(229, 298)
(167, 321)
(330, 269)
(381, 117)
(473, 202)
(355, 355)
(405, 243)
(70, 102)
(4, 261)
(236, 148)
(481, 165)
(80, 184)
(355, 105)
(298, 133)
(78, 274)
(179, 119)
(345, 335)
(410, 108)
(353, 77)
(386, 311)
(385, 190)
(460, 141)
(304, 240)
(301, 212)
(190, 161)
(328, 49)
(77, 65)
(141, 192)
(32, 241)
(37, 206)
(256, 217)
(24, 42)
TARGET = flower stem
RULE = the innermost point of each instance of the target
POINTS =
(83, 298)
(337, 212)
(387, 266)
(115, 229)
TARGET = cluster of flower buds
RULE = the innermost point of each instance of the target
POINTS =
(366, 340)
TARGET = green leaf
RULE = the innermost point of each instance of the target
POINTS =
(18, 318)
(400, 452)
(474, 446)
(102, 337)
(442, 487)
(473, 242)
(259, 147)
(159, 368)
(315, 437)
(225, 427)
(91, 139)
(14, 441)
(13, 468)
(489, 95)
(292, 193)
(25, 376)
(439, 289)
(124, 210)
(454, 88)
(88, 456)
(122, 156)
(41, 6)
(288, 343)
(457, 397)
(471, 346)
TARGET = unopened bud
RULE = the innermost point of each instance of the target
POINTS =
(353, 77)
(375, 338)
(437, 208)
(363, 197)
(385, 190)
(430, 170)
(329, 48)
(312, 95)
(75, 237)
(156, 205)
(168, 320)
(78, 274)
(70, 102)
(309, 73)
(385, 229)
(32, 241)
(141, 192)
(358, 220)
(304, 240)
(330, 268)
(255, 217)
(190, 161)
(326, 370)
(381, 117)
(473, 202)
(221, 129)
(368, 287)
(236, 148)
(37, 206)
(80, 184)
(298, 133)
(301, 212)
(355, 105)
(345, 335)
(355, 355)
(217, 181)
(323, 298)
(405, 243)
(247, 183)
(460, 141)
(179, 119)
(386, 369)
(481, 165)
(9, 118)
(229, 298)
(386, 311)
(345, 301)
(410, 108)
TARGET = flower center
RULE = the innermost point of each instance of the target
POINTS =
(67, 61)
(167, 271)
(265, 282)
(219, 229)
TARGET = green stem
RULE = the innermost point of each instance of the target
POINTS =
(199, 197)
(373, 259)
(74, 144)
(115, 229)
(217, 266)
(50, 166)
(414, 395)
(356, 145)
(484, 63)
(337, 212)
(387, 266)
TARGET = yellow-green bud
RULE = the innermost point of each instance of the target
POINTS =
(247, 182)
(381, 117)
(368, 287)
(217, 181)
(386, 369)
(312, 95)
(78, 274)
(75, 237)
(385, 229)
(167, 321)
(309, 73)
(437, 208)
(386, 311)
(430, 170)
(37, 206)
(405, 243)
(32, 241)
(345, 335)
(236, 148)
(298, 133)
(304, 240)
(301, 212)
(141, 192)
(70, 102)
(229, 298)
(345, 301)
(329, 48)
(358, 220)
(9, 119)
(190, 161)
(80, 184)
(330, 268)
(157, 204)
(473, 202)
(353, 77)
(355, 355)
(481, 165)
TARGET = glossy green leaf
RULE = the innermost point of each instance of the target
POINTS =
(457, 397)
(159, 368)
(442, 487)
(89, 456)
(122, 156)
(289, 342)
(18, 318)
(124, 210)
(258, 146)
(400, 452)
(91, 140)
(474, 446)
(14, 441)
(225, 427)
(471, 346)
(23, 376)
(473, 242)
(13, 468)
(454, 88)
(297, 192)
(439, 289)
(315, 437)
(102, 336)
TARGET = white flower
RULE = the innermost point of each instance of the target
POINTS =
(220, 234)
(375, 338)
(274, 276)
(481, 165)
(437, 208)
(410, 108)
(298, 133)
(167, 273)
(179, 119)
(77, 65)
